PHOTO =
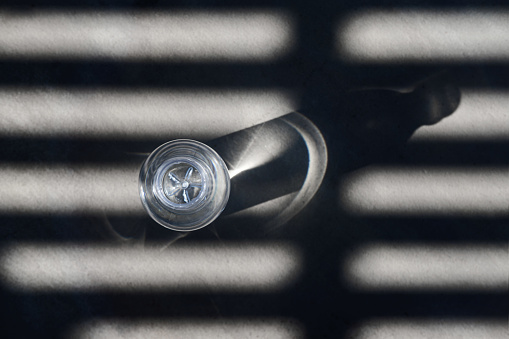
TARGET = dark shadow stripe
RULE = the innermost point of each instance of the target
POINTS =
(423, 230)
(293, 72)
(456, 153)
(106, 229)
(112, 151)
(439, 305)
(434, 305)
(90, 73)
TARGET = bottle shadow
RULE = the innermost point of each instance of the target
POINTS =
(356, 128)
(366, 126)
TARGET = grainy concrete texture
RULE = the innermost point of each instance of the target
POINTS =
(405, 235)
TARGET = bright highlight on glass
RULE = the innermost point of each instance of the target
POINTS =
(233, 268)
(378, 36)
(398, 267)
(190, 36)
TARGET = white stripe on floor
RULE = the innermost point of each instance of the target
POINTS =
(191, 36)
(210, 268)
(391, 37)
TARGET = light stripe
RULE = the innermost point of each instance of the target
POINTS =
(137, 113)
(191, 36)
(399, 267)
(233, 268)
(426, 191)
(379, 36)
(426, 329)
(45, 189)
(481, 116)
(189, 328)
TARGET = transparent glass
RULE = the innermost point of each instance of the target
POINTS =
(184, 185)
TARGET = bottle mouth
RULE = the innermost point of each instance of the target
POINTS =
(184, 185)
(181, 183)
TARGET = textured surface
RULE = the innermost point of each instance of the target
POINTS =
(407, 236)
